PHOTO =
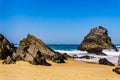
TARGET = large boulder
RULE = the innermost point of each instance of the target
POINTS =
(36, 52)
(6, 48)
(97, 40)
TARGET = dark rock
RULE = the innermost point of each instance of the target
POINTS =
(39, 59)
(96, 41)
(75, 56)
(86, 57)
(9, 60)
(12, 59)
(116, 70)
(104, 61)
(65, 55)
(119, 60)
(36, 52)
(6, 48)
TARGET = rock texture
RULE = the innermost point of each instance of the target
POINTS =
(97, 40)
(6, 48)
(86, 57)
(104, 61)
(119, 60)
(34, 51)
(117, 69)
(66, 56)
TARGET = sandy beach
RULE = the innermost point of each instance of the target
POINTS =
(71, 70)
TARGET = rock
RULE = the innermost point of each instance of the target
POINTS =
(117, 69)
(97, 40)
(6, 48)
(104, 61)
(86, 57)
(39, 59)
(12, 59)
(119, 60)
(75, 56)
(36, 52)
(8, 60)
(65, 55)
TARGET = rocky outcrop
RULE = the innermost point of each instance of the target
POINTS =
(117, 69)
(104, 61)
(35, 51)
(97, 40)
(6, 48)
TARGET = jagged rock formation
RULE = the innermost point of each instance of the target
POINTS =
(35, 51)
(96, 41)
(6, 48)
(104, 61)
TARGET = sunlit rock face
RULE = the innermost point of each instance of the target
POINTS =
(97, 40)
(35, 51)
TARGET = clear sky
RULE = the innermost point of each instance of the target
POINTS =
(58, 21)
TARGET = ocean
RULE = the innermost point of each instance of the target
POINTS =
(71, 49)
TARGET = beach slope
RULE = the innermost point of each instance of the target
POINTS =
(71, 70)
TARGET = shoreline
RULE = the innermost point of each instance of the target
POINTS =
(71, 70)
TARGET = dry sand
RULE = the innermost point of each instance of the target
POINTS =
(71, 70)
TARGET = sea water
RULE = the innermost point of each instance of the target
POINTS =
(71, 49)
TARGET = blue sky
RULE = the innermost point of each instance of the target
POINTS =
(58, 21)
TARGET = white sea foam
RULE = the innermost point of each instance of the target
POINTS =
(112, 55)
(118, 46)
(77, 52)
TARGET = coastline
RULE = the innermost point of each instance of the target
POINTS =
(71, 49)
(71, 70)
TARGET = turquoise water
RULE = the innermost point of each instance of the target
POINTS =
(65, 47)
(68, 47)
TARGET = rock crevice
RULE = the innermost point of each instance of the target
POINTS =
(33, 50)
(6, 48)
